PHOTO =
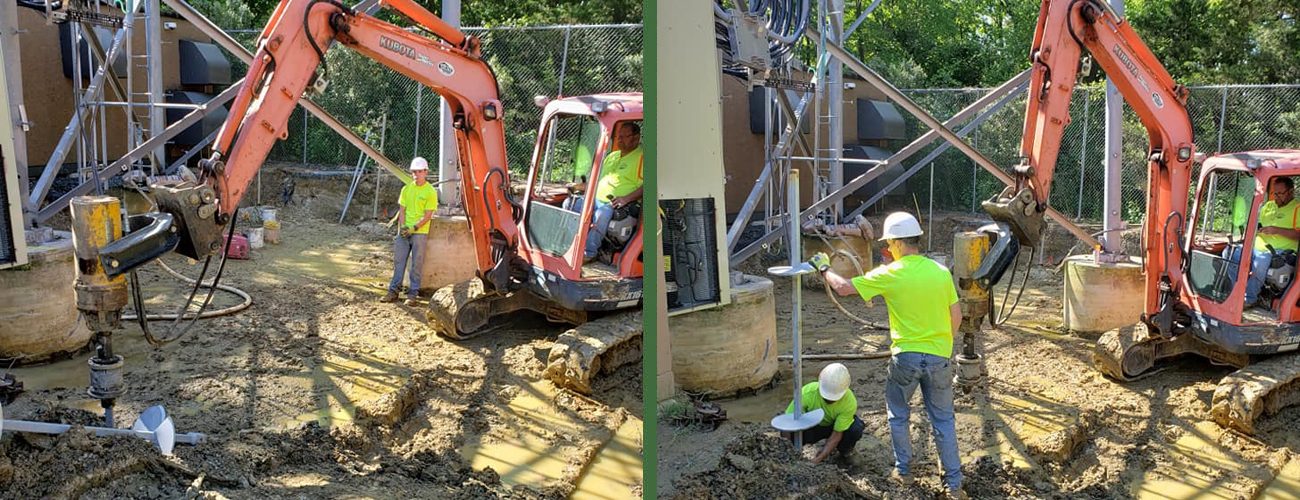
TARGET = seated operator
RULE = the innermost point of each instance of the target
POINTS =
(1278, 220)
(619, 186)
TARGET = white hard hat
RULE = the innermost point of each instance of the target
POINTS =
(833, 382)
(419, 163)
(901, 225)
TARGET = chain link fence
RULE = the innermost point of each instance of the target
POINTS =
(1227, 118)
(527, 61)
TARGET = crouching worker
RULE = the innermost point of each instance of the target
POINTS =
(840, 426)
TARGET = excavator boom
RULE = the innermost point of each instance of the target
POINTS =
(290, 51)
(1167, 328)
(1064, 30)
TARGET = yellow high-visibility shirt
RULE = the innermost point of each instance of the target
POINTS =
(838, 415)
(619, 175)
(919, 293)
(1271, 215)
(415, 200)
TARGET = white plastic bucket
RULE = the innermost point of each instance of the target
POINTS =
(268, 213)
(255, 240)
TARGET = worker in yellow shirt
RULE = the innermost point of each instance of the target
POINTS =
(923, 314)
(840, 425)
(1279, 219)
(418, 200)
(620, 185)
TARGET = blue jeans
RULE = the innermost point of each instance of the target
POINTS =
(604, 212)
(907, 370)
(402, 247)
(1259, 262)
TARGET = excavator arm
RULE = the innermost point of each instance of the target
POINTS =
(291, 49)
(1065, 28)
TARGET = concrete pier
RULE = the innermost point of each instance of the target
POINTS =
(725, 350)
(448, 253)
(38, 309)
(1102, 296)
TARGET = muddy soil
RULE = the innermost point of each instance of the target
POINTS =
(1044, 425)
(317, 389)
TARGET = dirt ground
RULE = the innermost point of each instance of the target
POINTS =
(1044, 425)
(319, 390)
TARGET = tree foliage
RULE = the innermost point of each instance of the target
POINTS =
(478, 13)
(945, 43)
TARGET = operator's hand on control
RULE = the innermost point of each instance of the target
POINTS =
(621, 201)
(821, 262)
(406, 231)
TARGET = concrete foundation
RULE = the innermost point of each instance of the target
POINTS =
(1102, 296)
(448, 253)
(725, 350)
(666, 385)
(38, 309)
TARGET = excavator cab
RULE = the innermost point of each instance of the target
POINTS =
(1229, 254)
(576, 135)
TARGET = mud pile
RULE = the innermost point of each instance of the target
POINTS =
(762, 465)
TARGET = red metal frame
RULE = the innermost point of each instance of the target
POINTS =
(1284, 163)
(619, 107)
(285, 63)
(1064, 29)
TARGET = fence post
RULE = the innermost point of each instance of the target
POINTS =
(974, 171)
(1083, 154)
(564, 58)
(304, 136)
(419, 101)
(1223, 118)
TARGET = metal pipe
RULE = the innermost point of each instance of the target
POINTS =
(28, 426)
(1112, 218)
(1083, 156)
(379, 179)
(857, 161)
(165, 105)
(448, 155)
(861, 17)
(153, 57)
(835, 109)
(796, 317)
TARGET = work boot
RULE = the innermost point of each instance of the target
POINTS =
(412, 302)
(957, 494)
(901, 479)
(391, 296)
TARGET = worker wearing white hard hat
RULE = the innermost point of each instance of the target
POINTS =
(840, 426)
(417, 202)
(923, 314)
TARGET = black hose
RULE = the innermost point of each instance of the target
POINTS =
(1003, 314)
(312, 40)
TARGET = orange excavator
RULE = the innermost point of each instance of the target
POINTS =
(529, 254)
(1195, 286)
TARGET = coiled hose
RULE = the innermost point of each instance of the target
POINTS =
(248, 301)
